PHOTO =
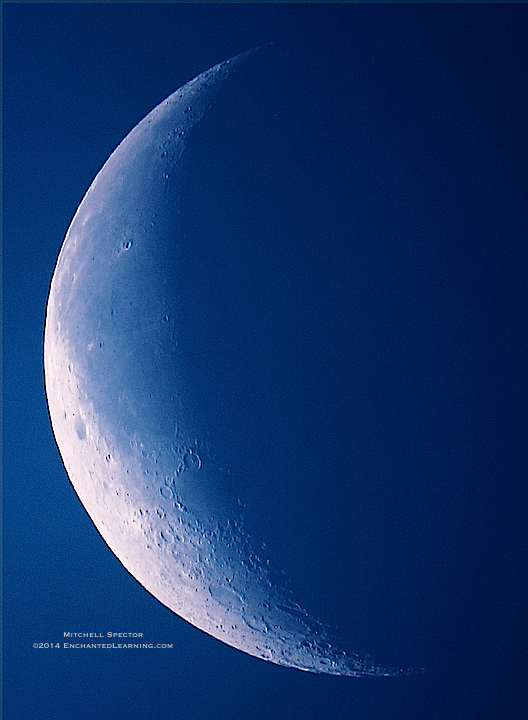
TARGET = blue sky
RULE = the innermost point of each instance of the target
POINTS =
(370, 176)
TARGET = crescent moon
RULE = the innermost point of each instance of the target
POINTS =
(125, 428)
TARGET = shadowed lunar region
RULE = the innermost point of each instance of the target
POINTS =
(122, 415)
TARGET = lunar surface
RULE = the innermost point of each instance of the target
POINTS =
(121, 414)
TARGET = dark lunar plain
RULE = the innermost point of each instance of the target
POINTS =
(354, 217)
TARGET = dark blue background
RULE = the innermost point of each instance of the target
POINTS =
(356, 217)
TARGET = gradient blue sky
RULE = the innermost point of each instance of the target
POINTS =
(373, 183)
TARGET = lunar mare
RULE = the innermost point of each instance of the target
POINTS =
(126, 430)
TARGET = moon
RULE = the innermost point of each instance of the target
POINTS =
(126, 428)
